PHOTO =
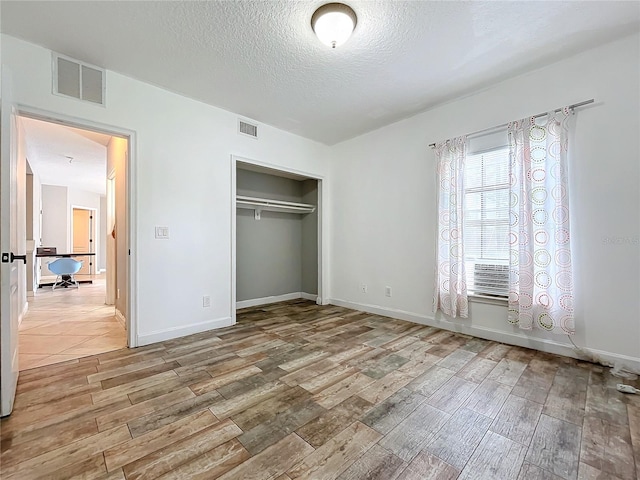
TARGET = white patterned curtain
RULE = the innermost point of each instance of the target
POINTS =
(541, 279)
(450, 294)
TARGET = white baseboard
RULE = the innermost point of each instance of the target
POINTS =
(182, 331)
(520, 340)
(121, 319)
(309, 296)
(254, 302)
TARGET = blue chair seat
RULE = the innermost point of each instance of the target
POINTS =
(65, 269)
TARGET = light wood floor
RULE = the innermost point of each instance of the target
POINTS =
(298, 391)
(68, 323)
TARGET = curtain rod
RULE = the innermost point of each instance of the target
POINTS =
(571, 107)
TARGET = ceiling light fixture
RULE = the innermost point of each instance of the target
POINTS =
(333, 23)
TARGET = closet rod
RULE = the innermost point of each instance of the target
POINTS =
(571, 107)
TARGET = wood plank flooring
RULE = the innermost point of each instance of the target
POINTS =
(300, 391)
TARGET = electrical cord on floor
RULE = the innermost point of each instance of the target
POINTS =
(618, 369)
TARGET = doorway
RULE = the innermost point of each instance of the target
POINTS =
(14, 301)
(71, 221)
(82, 227)
(277, 226)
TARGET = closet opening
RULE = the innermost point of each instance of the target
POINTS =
(277, 235)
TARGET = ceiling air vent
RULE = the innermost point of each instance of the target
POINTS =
(247, 128)
(72, 78)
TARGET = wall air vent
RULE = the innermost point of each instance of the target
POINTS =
(72, 78)
(246, 128)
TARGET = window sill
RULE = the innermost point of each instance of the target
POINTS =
(489, 300)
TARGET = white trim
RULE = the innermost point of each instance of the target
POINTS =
(309, 296)
(132, 314)
(232, 305)
(323, 242)
(182, 331)
(132, 222)
(267, 300)
(120, 317)
(521, 340)
(102, 270)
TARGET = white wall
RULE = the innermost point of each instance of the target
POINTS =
(57, 205)
(37, 192)
(55, 217)
(37, 206)
(118, 280)
(81, 198)
(183, 181)
(383, 218)
(32, 229)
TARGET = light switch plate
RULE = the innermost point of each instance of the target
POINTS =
(162, 232)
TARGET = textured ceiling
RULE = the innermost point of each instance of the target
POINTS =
(260, 59)
(49, 147)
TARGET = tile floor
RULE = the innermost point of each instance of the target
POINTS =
(301, 391)
(68, 323)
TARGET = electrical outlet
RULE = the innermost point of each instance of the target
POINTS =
(363, 288)
(387, 291)
(206, 301)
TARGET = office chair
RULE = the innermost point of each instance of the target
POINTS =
(65, 268)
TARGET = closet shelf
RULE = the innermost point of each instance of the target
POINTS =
(259, 204)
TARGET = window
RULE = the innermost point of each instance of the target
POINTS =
(486, 223)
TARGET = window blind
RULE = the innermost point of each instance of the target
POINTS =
(486, 222)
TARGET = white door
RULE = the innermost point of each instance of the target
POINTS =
(9, 283)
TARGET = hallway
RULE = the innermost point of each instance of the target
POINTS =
(68, 323)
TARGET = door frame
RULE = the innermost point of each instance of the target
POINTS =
(323, 231)
(110, 260)
(132, 313)
(94, 233)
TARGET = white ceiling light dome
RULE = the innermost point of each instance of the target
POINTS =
(334, 23)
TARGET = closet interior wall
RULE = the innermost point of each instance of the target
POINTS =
(278, 254)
